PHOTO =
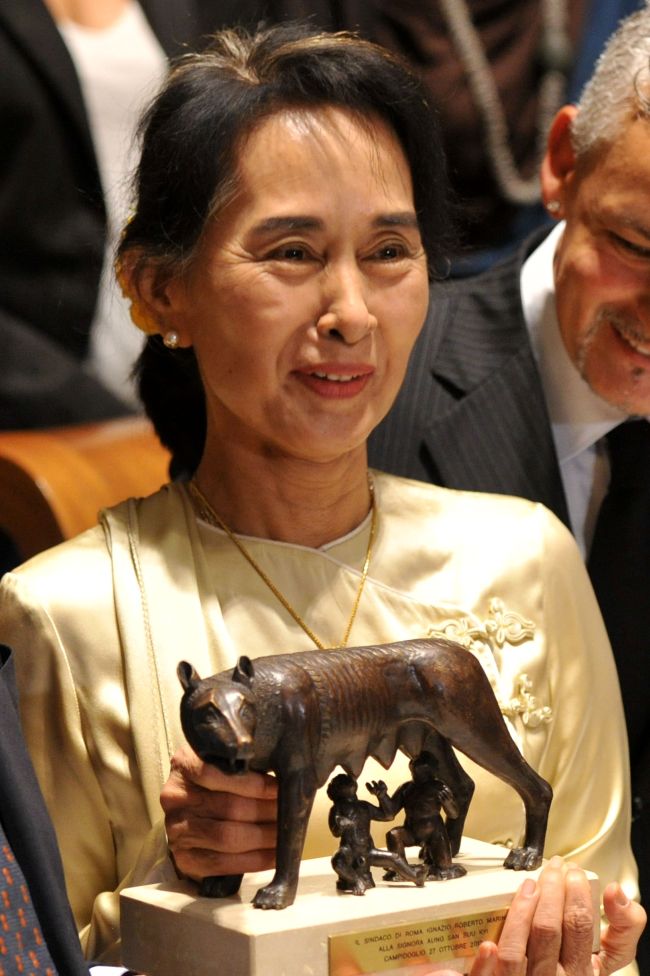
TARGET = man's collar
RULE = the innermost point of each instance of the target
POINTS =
(578, 416)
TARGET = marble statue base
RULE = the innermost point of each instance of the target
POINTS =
(395, 928)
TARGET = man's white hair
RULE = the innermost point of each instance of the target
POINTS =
(619, 89)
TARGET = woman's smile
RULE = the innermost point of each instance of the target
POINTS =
(337, 382)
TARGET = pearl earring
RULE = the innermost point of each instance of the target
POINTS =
(553, 206)
(171, 339)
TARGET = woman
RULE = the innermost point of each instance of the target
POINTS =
(291, 194)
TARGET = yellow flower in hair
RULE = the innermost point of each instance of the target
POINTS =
(140, 316)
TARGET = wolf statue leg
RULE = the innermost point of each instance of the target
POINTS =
(296, 792)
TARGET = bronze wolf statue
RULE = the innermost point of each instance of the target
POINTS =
(300, 715)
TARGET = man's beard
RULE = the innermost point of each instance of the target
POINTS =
(628, 329)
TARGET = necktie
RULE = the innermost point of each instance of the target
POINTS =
(23, 951)
(619, 566)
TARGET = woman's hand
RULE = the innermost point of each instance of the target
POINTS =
(548, 930)
(218, 824)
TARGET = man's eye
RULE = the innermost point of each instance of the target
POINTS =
(631, 247)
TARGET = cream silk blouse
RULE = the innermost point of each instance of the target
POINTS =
(99, 624)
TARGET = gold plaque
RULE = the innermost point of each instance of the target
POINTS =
(402, 950)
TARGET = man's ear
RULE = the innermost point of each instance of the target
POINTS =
(559, 162)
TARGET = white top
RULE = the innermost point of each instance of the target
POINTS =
(579, 418)
(120, 68)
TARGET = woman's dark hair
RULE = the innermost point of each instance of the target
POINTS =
(191, 137)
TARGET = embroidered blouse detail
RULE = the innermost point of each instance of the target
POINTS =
(502, 627)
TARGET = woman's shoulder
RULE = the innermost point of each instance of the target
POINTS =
(471, 528)
(82, 560)
(85, 548)
(406, 498)
(74, 574)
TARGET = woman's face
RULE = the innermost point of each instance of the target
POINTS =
(308, 291)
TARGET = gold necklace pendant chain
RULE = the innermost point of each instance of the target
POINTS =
(206, 512)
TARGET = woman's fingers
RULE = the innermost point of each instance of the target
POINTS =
(200, 862)
(627, 920)
(513, 941)
(177, 801)
(220, 835)
(563, 925)
(546, 929)
(188, 770)
(216, 823)
(580, 918)
(486, 960)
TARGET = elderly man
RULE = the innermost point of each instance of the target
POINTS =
(526, 377)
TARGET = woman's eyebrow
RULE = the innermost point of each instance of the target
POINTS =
(271, 225)
(406, 218)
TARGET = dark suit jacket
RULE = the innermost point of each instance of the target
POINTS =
(471, 414)
(29, 831)
(52, 218)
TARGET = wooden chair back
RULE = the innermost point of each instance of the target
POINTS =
(54, 482)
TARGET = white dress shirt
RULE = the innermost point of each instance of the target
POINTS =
(579, 418)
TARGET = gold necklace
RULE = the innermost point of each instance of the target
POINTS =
(206, 512)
